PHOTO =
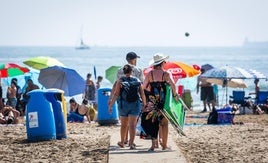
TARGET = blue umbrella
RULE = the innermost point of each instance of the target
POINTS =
(66, 79)
(95, 73)
(206, 67)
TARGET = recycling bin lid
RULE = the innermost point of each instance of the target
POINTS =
(35, 91)
(56, 90)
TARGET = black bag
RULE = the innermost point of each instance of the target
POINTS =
(130, 89)
(213, 117)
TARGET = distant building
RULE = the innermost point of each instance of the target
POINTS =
(259, 44)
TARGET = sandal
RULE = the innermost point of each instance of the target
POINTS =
(166, 148)
(132, 147)
(151, 150)
(126, 142)
(120, 145)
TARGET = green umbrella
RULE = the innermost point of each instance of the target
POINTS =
(111, 72)
(42, 62)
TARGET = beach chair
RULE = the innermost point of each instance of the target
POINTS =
(239, 98)
(262, 97)
(174, 112)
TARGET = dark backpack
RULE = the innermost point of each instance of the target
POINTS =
(130, 89)
(213, 117)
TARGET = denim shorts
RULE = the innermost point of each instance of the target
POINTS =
(126, 109)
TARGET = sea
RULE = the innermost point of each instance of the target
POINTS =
(84, 61)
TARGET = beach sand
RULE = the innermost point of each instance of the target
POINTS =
(90, 142)
(246, 141)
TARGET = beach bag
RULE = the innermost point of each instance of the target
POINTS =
(130, 89)
(213, 117)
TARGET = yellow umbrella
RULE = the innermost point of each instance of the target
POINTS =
(42, 62)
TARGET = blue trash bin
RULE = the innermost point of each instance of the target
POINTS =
(40, 122)
(104, 117)
(55, 97)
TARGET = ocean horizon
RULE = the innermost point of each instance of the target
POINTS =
(102, 57)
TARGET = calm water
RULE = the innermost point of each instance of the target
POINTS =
(83, 61)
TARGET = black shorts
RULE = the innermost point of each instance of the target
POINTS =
(207, 93)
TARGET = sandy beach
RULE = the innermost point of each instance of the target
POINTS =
(247, 142)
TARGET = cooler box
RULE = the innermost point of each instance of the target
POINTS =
(104, 117)
(40, 122)
(225, 116)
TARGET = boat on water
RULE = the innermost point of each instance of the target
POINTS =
(258, 44)
(82, 46)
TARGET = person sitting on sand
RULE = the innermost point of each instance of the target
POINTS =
(82, 109)
(8, 115)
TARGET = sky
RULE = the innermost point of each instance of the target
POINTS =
(132, 22)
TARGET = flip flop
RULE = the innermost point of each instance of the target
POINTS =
(132, 147)
(151, 150)
(120, 145)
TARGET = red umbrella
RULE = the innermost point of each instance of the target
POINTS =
(178, 70)
(12, 69)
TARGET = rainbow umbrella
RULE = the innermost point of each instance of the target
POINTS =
(41, 62)
(12, 69)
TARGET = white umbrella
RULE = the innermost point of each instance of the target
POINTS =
(233, 83)
(230, 72)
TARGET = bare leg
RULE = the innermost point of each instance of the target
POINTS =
(126, 137)
(159, 136)
(132, 129)
(164, 124)
(123, 129)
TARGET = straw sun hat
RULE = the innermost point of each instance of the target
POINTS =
(158, 58)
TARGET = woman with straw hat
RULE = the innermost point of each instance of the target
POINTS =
(155, 89)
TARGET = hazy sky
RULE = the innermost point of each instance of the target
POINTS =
(133, 22)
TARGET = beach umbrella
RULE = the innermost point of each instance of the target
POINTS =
(22, 79)
(95, 72)
(207, 67)
(230, 72)
(41, 62)
(195, 66)
(12, 69)
(178, 70)
(66, 79)
(232, 83)
(111, 72)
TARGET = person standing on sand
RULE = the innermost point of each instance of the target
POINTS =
(98, 85)
(207, 94)
(155, 89)
(90, 88)
(131, 58)
(128, 111)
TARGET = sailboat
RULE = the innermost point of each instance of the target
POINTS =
(82, 45)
